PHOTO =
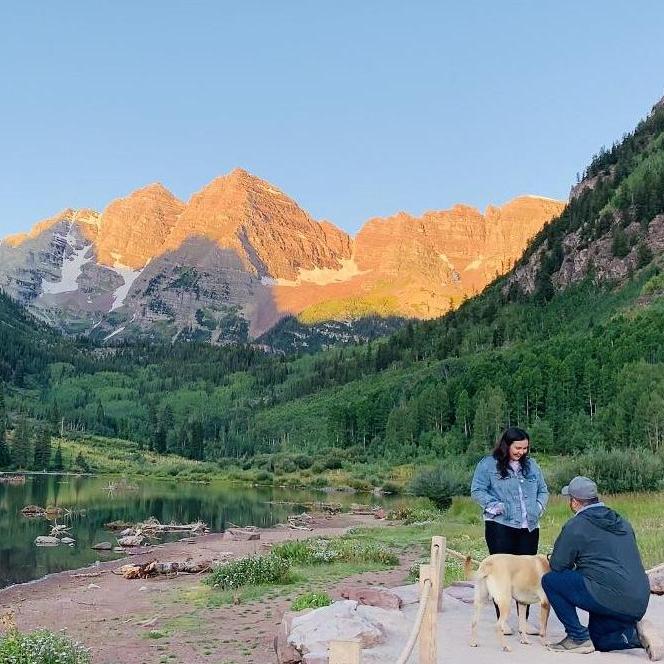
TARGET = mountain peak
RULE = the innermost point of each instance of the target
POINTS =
(154, 190)
(239, 182)
(240, 173)
(133, 229)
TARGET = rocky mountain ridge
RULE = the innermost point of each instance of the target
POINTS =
(241, 255)
(613, 224)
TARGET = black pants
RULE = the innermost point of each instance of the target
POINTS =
(504, 539)
(517, 541)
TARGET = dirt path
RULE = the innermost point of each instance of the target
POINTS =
(166, 620)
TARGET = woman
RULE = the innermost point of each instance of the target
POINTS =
(511, 490)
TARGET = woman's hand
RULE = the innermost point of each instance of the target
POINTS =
(495, 509)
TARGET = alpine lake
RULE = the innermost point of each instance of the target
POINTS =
(88, 503)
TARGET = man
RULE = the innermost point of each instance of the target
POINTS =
(596, 567)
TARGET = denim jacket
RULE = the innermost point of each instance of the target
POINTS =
(489, 489)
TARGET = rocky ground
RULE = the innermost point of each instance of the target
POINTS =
(383, 631)
(454, 633)
(171, 620)
(175, 620)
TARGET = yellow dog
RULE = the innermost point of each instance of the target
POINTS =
(503, 577)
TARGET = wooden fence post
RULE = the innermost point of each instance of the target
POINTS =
(345, 652)
(428, 631)
(438, 557)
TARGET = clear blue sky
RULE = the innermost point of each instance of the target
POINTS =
(355, 109)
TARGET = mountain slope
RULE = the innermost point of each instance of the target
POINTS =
(578, 364)
(240, 256)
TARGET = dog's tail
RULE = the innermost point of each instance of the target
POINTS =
(468, 568)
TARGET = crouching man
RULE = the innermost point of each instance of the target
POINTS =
(596, 566)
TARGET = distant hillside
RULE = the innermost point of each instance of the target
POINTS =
(569, 344)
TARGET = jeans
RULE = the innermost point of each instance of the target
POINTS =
(607, 629)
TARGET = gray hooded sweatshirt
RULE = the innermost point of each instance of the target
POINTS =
(601, 545)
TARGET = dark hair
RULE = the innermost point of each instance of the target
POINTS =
(501, 452)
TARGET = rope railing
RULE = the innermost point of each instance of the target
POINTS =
(424, 631)
(415, 632)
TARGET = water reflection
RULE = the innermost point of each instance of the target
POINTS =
(90, 505)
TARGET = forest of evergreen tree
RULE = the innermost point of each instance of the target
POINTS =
(578, 367)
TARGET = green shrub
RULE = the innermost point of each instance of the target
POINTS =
(355, 551)
(333, 462)
(287, 465)
(654, 285)
(414, 570)
(297, 552)
(392, 488)
(420, 512)
(441, 484)
(264, 476)
(250, 571)
(319, 551)
(614, 471)
(360, 485)
(302, 461)
(41, 647)
(311, 601)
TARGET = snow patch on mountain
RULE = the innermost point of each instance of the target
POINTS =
(72, 269)
(129, 276)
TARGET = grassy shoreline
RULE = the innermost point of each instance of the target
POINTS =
(191, 612)
(464, 530)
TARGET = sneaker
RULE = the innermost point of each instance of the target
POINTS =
(571, 645)
(650, 640)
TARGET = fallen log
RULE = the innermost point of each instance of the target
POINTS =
(36, 510)
(155, 568)
(118, 525)
(199, 526)
(13, 479)
(368, 510)
(329, 508)
(152, 526)
(242, 534)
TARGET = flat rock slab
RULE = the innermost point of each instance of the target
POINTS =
(409, 594)
(454, 634)
(311, 632)
(372, 597)
(656, 578)
(464, 592)
(44, 540)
